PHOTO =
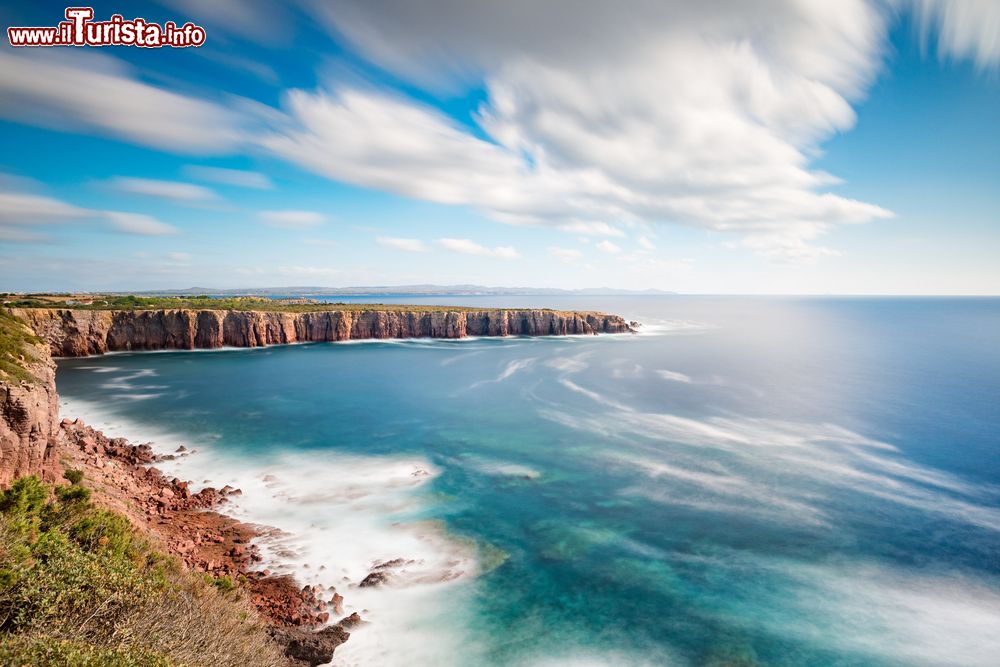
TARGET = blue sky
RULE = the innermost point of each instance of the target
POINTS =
(847, 147)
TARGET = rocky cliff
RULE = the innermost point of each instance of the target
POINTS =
(29, 409)
(77, 332)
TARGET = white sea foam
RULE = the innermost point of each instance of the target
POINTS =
(509, 370)
(660, 327)
(573, 364)
(336, 517)
(872, 609)
(823, 458)
(674, 376)
(499, 468)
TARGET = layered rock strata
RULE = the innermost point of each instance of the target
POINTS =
(76, 333)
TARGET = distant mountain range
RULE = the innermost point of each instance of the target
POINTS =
(406, 290)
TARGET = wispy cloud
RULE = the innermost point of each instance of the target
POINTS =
(138, 223)
(608, 247)
(469, 247)
(408, 245)
(292, 219)
(17, 208)
(175, 191)
(235, 177)
(969, 29)
(101, 94)
(565, 254)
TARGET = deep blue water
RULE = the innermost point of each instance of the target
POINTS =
(751, 481)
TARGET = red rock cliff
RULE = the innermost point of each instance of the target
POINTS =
(29, 419)
(75, 333)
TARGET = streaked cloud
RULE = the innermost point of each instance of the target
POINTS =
(181, 193)
(292, 219)
(99, 94)
(469, 247)
(236, 177)
(565, 254)
(408, 245)
(669, 113)
(963, 28)
(138, 223)
(17, 208)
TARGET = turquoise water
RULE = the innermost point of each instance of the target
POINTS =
(751, 481)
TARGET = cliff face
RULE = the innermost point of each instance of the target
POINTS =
(29, 420)
(75, 333)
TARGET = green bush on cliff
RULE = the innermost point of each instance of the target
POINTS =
(16, 348)
(78, 586)
(41, 651)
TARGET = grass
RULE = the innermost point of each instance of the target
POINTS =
(16, 349)
(132, 302)
(78, 586)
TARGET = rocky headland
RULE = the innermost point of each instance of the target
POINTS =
(306, 623)
(80, 332)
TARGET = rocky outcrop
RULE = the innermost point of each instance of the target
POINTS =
(29, 419)
(191, 527)
(76, 333)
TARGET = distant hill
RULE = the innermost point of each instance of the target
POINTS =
(406, 290)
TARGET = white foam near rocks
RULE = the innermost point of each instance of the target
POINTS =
(336, 517)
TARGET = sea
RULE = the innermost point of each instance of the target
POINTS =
(745, 481)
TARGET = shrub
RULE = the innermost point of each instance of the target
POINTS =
(73, 476)
(41, 651)
(73, 494)
(78, 586)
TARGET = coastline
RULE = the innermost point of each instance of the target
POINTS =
(195, 526)
(325, 549)
(79, 332)
(342, 550)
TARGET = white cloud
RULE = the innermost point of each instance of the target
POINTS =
(319, 242)
(100, 94)
(408, 245)
(18, 208)
(608, 247)
(20, 235)
(670, 113)
(182, 193)
(21, 213)
(292, 219)
(138, 223)
(179, 256)
(673, 112)
(266, 23)
(964, 28)
(237, 177)
(468, 247)
(646, 244)
(565, 254)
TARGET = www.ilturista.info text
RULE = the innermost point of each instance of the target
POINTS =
(79, 29)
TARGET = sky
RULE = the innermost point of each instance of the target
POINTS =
(719, 146)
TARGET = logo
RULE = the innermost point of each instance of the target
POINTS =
(79, 29)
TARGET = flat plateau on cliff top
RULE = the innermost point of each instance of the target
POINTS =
(247, 303)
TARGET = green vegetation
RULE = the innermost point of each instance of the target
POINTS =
(78, 586)
(16, 349)
(132, 302)
(44, 652)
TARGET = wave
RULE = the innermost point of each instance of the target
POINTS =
(335, 517)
